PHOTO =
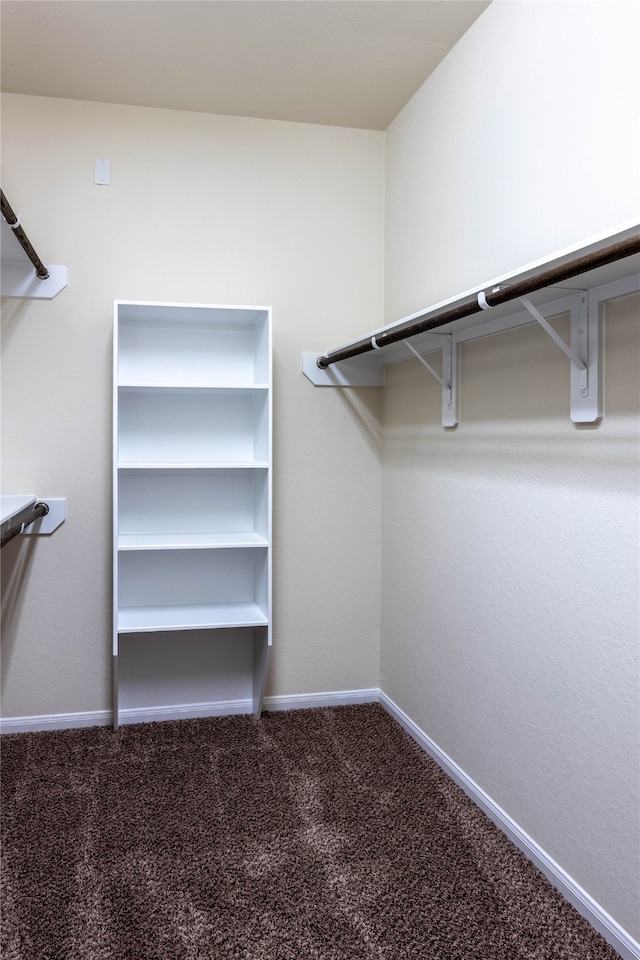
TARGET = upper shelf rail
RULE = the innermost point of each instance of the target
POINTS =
(42, 272)
(512, 290)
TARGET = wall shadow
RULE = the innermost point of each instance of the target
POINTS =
(15, 565)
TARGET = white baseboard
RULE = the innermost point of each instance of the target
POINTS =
(613, 933)
(620, 940)
(335, 698)
(184, 711)
(103, 718)
(55, 721)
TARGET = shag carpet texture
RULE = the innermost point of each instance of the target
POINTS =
(323, 834)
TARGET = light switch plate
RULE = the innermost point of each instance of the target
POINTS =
(102, 172)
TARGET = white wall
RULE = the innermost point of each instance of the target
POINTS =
(510, 544)
(201, 209)
(524, 141)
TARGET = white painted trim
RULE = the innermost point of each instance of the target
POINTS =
(184, 711)
(103, 718)
(55, 721)
(613, 933)
(335, 698)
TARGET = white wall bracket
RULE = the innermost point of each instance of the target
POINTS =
(449, 378)
(365, 371)
(566, 349)
(19, 280)
(54, 519)
(583, 354)
(16, 513)
(445, 385)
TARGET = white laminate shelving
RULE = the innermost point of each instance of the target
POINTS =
(11, 506)
(192, 506)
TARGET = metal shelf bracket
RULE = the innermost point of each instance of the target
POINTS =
(585, 311)
(583, 353)
(449, 378)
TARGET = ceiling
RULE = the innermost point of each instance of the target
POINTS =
(351, 63)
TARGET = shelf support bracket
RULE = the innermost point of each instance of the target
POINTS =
(557, 339)
(583, 354)
(418, 356)
(449, 377)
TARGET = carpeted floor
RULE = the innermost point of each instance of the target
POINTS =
(312, 835)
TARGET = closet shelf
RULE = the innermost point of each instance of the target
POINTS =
(182, 465)
(11, 506)
(197, 616)
(573, 282)
(229, 389)
(190, 541)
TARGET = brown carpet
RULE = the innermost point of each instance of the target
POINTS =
(309, 835)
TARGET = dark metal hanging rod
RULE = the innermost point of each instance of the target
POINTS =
(19, 523)
(13, 221)
(493, 298)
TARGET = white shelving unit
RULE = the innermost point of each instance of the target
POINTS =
(192, 509)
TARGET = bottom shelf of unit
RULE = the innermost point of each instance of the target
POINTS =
(170, 675)
(195, 616)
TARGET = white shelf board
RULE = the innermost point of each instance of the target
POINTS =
(194, 616)
(150, 386)
(193, 465)
(11, 506)
(14, 507)
(190, 541)
(595, 277)
(152, 312)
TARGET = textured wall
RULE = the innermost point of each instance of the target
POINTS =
(510, 545)
(510, 592)
(201, 209)
(525, 140)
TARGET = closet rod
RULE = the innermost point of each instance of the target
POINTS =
(7, 212)
(501, 294)
(22, 521)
